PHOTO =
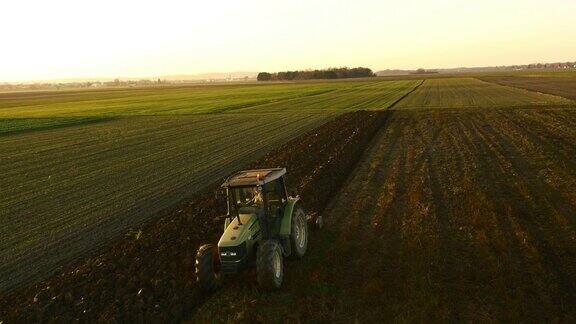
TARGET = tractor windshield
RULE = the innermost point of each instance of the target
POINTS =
(247, 200)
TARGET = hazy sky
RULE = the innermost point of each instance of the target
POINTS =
(64, 39)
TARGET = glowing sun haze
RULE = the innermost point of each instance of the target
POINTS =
(67, 39)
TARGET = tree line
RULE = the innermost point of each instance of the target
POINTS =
(332, 73)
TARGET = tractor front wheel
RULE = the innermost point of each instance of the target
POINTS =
(207, 266)
(270, 265)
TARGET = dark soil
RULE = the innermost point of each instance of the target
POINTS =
(149, 274)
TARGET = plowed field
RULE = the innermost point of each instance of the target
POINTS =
(450, 216)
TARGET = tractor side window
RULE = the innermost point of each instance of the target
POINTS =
(273, 192)
(273, 196)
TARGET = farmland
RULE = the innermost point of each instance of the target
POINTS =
(452, 201)
(473, 93)
(372, 96)
(291, 97)
(564, 86)
(70, 184)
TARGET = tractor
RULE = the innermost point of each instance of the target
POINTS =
(263, 224)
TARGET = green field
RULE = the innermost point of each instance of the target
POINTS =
(49, 109)
(377, 95)
(473, 93)
(335, 96)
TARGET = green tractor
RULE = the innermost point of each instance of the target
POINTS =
(263, 225)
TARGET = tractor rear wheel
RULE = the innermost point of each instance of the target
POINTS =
(207, 267)
(269, 265)
(298, 234)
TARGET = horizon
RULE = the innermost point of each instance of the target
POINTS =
(154, 77)
(133, 40)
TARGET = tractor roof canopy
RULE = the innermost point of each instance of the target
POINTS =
(253, 177)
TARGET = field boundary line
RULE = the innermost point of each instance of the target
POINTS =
(405, 95)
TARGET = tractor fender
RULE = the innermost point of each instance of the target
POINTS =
(286, 224)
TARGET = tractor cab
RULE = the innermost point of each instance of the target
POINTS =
(259, 192)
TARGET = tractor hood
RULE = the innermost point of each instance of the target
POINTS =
(236, 234)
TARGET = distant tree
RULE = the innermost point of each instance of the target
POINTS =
(264, 76)
(333, 73)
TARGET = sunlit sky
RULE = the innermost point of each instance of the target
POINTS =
(56, 39)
